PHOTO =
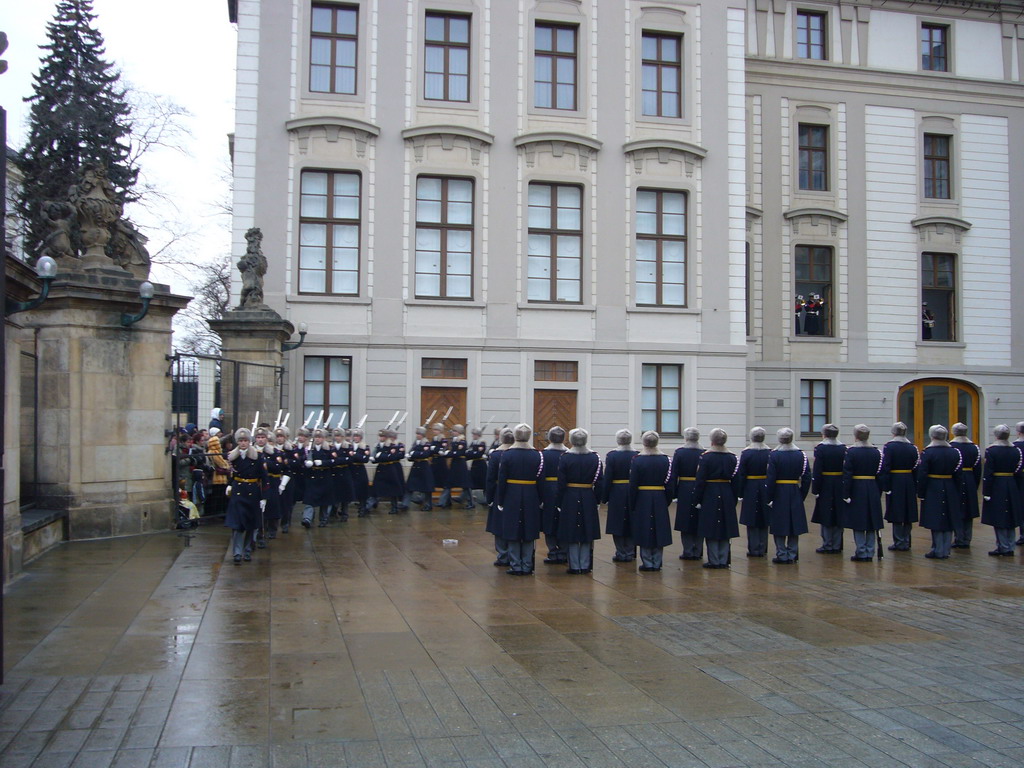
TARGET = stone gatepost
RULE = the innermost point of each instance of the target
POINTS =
(251, 342)
(104, 400)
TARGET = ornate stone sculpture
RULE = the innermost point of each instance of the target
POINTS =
(128, 249)
(96, 202)
(253, 266)
(57, 245)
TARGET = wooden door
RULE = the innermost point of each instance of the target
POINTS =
(552, 407)
(925, 402)
(440, 399)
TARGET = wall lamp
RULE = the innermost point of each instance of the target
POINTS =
(46, 268)
(289, 346)
(146, 294)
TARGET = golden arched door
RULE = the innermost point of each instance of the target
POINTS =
(925, 402)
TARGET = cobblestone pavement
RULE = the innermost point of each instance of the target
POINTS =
(370, 643)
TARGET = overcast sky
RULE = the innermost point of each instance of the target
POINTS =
(183, 50)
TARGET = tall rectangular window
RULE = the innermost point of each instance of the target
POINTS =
(555, 242)
(933, 47)
(554, 66)
(662, 74)
(660, 248)
(811, 35)
(444, 238)
(329, 232)
(813, 157)
(814, 405)
(937, 166)
(327, 385)
(446, 57)
(661, 398)
(813, 290)
(938, 294)
(333, 45)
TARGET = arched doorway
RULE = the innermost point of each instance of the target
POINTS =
(925, 402)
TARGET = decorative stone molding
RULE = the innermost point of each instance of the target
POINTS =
(584, 147)
(814, 216)
(939, 225)
(448, 135)
(753, 214)
(663, 150)
(330, 127)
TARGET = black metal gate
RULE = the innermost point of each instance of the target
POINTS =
(203, 382)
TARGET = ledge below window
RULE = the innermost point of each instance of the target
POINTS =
(817, 339)
(326, 298)
(663, 310)
(556, 305)
(448, 303)
(938, 344)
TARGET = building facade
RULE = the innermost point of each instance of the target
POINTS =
(603, 214)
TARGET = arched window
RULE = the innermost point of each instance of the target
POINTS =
(925, 402)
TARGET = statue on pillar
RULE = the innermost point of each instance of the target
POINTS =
(95, 200)
(253, 266)
(58, 242)
(128, 249)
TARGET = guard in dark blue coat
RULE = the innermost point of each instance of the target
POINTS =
(786, 487)
(827, 489)
(275, 462)
(862, 504)
(1019, 443)
(457, 477)
(245, 497)
(1003, 507)
(578, 523)
(900, 458)
(615, 493)
(360, 477)
(650, 492)
(476, 455)
(518, 497)
(751, 476)
(940, 488)
(439, 464)
(505, 441)
(684, 475)
(419, 486)
(970, 465)
(319, 490)
(287, 486)
(714, 496)
(557, 555)
(389, 479)
(341, 475)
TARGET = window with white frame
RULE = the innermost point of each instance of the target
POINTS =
(554, 66)
(662, 74)
(660, 248)
(329, 204)
(327, 385)
(444, 238)
(446, 57)
(937, 166)
(812, 35)
(555, 242)
(661, 398)
(938, 296)
(814, 405)
(333, 48)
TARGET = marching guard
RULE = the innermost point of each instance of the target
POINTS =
(389, 480)
(518, 498)
(457, 476)
(420, 485)
(318, 492)
(493, 526)
(245, 497)
(476, 455)
(285, 452)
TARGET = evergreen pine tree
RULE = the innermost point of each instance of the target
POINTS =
(79, 115)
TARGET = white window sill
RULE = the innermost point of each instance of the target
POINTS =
(816, 339)
(326, 298)
(445, 303)
(939, 344)
(663, 310)
(559, 305)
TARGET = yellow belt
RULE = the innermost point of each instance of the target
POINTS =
(900, 471)
(522, 482)
(941, 477)
(832, 474)
(651, 488)
(966, 469)
(620, 482)
(718, 480)
(788, 482)
(1000, 474)
(426, 459)
(246, 480)
(551, 478)
(277, 475)
(864, 477)
(757, 477)
(691, 479)
(385, 463)
(577, 485)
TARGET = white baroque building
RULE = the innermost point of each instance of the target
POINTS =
(603, 213)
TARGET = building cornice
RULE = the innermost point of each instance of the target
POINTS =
(332, 126)
(795, 215)
(584, 147)
(663, 149)
(938, 225)
(448, 135)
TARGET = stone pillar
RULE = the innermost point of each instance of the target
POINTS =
(251, 354)
(104, 403)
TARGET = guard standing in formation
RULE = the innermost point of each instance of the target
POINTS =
(615, 494)
(827, 489)
(684, 475)
(714, 498)
(940, 488)
(493, 526)
(786, 488)
(578, 523)
(970, 465)
(1003, 507)
(650, 493)
(518, 498)
(751, 477)
(862, 510)
(549, 496)
(900, 458)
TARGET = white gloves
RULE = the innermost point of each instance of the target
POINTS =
(227, 491)
(284, 483)
(987, 498)
(263, 505)
(318, 463)
(847, 501)
(770, 503)
(888, 493)
(309, 463)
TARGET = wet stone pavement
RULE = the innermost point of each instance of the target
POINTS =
(369, 643)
